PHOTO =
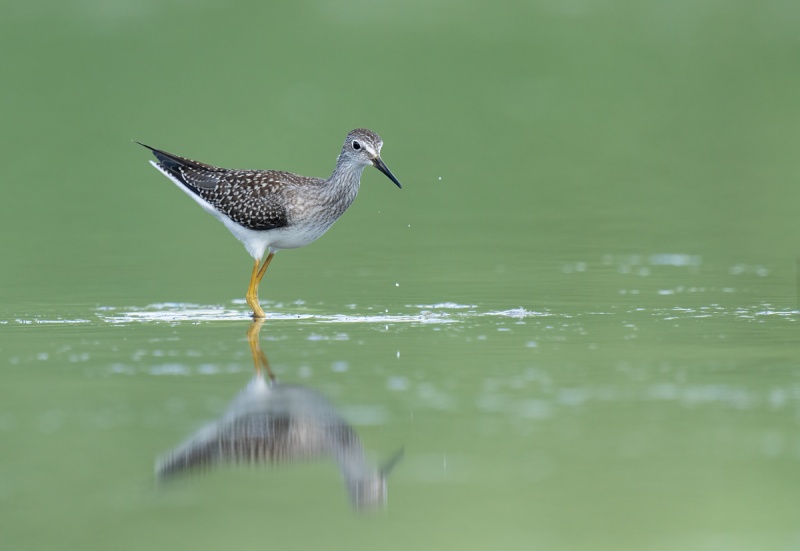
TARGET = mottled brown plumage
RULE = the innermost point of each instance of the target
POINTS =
(273, 210)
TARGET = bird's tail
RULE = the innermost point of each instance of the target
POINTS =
(194, 175)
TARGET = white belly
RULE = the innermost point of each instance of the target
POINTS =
(257, 242)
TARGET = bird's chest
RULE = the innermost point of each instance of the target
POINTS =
(311, 216)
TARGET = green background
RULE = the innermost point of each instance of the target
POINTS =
(578, 316)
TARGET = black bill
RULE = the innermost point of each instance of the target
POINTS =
(378, 163)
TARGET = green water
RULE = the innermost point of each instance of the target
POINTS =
(578, 317)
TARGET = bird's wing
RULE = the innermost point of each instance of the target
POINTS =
(255, 199)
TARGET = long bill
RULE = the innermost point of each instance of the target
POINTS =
(378, 163)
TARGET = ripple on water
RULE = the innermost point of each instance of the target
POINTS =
(445, 313)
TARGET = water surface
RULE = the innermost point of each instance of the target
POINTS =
(578, 318)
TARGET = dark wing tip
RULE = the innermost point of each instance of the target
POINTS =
(171, 161)
(162, 156)
(153, 149)
(193, 174)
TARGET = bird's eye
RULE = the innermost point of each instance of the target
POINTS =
(356, 146)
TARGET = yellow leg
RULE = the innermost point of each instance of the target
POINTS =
(252, 294)
(259, 358)
(252, 289)
(264, 266)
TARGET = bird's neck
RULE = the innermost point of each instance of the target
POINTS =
(346, 179)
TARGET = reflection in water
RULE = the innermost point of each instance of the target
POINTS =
(271, 422)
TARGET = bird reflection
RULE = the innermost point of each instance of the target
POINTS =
(271, 422)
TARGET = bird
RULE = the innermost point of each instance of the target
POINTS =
(271, 210)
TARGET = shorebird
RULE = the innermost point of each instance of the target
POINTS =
(270, 210)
